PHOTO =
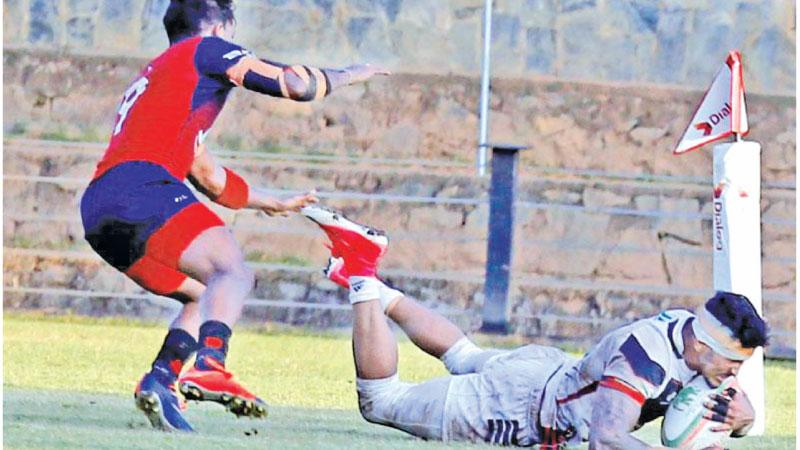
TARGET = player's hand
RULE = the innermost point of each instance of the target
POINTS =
(276, 207)
(363, 72)
(732, 409)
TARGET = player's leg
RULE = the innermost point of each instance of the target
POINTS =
(123, 211)
(356, 250)
(374, 346)
(142, 220)
(155, 392)
(439, 337)
(383, 399)
(188, 317)
(362, 247)
(178, 346)
(214, 257)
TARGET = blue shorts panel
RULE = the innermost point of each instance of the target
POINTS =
(126, 205)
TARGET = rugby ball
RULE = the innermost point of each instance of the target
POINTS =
(684, 425)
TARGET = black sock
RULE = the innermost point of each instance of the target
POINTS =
(177, 348)
(213, 343)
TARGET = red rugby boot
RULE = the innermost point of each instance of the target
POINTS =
(361, 247)
(218, 385)
(336, 272)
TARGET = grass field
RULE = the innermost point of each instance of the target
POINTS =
(68, 383)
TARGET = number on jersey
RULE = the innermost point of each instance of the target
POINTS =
(131, 95)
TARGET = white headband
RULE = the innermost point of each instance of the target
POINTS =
(713, 333)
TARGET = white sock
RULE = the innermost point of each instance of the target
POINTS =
(460, 358)
(388, 296)
(364, 289)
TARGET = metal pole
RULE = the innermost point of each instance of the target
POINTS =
(484, 106)
(501, 238)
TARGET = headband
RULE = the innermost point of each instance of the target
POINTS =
(710, 331)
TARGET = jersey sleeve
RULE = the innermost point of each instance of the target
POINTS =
(215, 56)
(636, 371)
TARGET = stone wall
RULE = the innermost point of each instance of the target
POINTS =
(580, 126)
(610, 225)
(676, 42)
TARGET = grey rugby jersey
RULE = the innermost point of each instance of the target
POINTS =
(642, 360)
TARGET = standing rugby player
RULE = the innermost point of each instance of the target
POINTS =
(140, 217)
(534, 394)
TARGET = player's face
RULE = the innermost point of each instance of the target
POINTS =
(716, 367)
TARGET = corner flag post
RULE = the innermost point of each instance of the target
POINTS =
(736, 229)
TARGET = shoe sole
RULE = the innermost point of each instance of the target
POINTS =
(325, 217)
(238, 405)
(150, 404)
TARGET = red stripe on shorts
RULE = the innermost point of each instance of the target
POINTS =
(168, 243)
(157, 271)
(155, 276)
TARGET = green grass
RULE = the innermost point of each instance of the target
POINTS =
(68, 384)
(268, 257)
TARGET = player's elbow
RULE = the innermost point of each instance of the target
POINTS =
(297, 88)
(304, 84)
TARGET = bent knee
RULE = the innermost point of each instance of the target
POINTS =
(376, 398)
(236, 270)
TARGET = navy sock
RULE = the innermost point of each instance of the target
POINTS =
(213, 343)
(177, 348)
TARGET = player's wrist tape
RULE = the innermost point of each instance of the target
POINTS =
(236, 193)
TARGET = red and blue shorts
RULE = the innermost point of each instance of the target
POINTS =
(140, 219)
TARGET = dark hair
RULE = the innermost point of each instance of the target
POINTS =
(737, 313)
(186, 18)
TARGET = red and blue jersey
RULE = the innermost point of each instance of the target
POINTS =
(168, 109)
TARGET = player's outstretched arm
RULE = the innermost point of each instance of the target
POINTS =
(297, 82)
(229, 189)
(614, 416)
(229, 63)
